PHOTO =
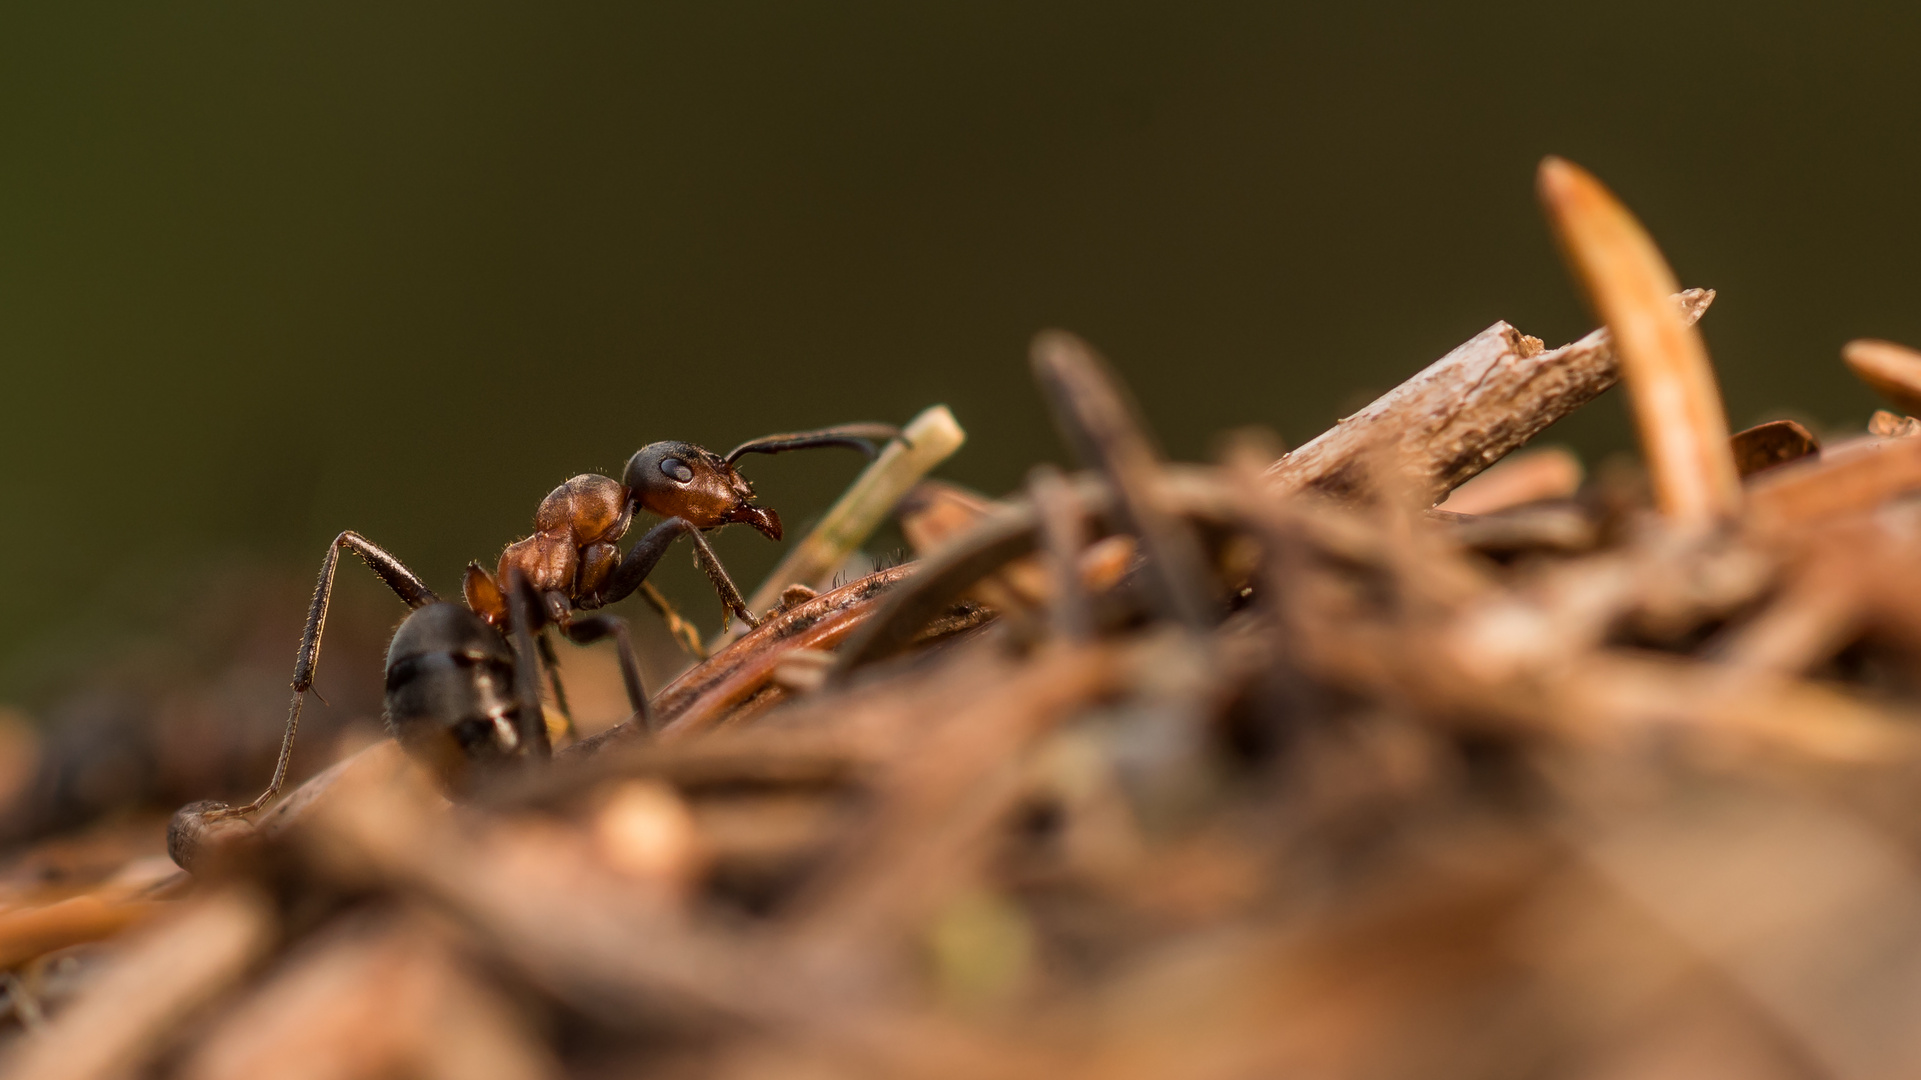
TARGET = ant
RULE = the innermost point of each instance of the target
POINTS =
(462, 681)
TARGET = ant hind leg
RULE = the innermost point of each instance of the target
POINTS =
(583, 631)
(525, 617)
(551, 659)
(405, 584)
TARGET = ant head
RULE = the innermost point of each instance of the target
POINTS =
(677, 479)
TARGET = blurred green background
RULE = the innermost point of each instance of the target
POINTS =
(272, 270)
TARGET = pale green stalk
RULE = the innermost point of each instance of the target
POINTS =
(929, 439)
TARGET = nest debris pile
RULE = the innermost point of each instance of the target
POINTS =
(1259, 768)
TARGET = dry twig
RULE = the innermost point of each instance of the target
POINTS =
(1465, 411)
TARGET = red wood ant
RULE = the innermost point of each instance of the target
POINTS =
(463, 681)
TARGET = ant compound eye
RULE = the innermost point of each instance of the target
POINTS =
(676, 470)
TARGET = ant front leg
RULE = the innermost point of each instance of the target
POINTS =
(717, 576)
(645, 555)
(405, 584)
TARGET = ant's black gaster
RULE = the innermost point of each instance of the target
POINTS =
(451, 700)
(463, 682)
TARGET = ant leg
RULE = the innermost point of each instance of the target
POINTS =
(524, 618)
(641, 559)
(401, 580)
(682, 630)
(594, 628)
(724, 585)
(405, 584)
(551, 659)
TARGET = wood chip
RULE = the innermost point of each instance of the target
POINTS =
(1776, 442)
(1886, 425)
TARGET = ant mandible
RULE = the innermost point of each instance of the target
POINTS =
(462, 683)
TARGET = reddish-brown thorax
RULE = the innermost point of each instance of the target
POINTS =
(571, 551)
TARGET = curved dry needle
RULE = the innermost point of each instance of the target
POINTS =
(1093, 413)
(1664, 364)
(1892, 370)
(1011, 532)
(937, 582)
(1063, 537)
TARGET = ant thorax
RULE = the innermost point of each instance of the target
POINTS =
(587, 509)
(571, 551)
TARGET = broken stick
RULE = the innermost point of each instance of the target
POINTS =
(1465, 411)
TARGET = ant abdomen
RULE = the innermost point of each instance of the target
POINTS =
(450, 694)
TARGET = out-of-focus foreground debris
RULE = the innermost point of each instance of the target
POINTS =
(1260, 768)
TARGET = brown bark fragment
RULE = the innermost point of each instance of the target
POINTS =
(1464, 412)
(1774, 443)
